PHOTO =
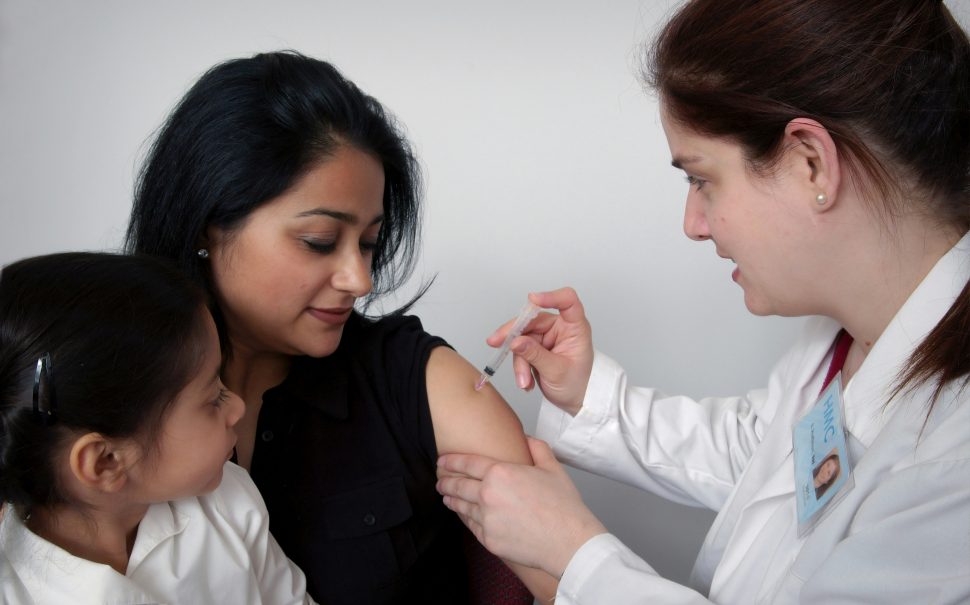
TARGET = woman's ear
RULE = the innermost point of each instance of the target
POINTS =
(101, 464)
(815, 162)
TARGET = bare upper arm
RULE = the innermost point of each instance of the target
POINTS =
(478, 422)
(470, 421)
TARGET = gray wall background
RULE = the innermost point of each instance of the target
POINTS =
(544, 160)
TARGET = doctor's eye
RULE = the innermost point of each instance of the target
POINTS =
(695, 182)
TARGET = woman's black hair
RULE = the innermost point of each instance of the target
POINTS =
(120, 336)
(244, 134)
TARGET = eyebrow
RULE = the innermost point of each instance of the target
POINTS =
(344, 217)
(679, 162)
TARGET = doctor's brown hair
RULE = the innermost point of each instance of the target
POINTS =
(889, 80)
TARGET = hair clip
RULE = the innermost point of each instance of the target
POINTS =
(44, 403)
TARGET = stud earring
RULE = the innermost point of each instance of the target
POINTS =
(820, 199)
(202, 253)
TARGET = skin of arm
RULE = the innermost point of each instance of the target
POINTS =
(478, 422)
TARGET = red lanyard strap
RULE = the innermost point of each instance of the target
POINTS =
(843, 341)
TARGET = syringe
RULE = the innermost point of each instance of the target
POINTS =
(527, 314)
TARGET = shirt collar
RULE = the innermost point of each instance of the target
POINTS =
(162, 522)
(869, 390)
(52, 575)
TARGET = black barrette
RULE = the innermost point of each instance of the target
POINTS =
(44, 401)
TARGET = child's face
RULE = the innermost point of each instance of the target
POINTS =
(197, 435)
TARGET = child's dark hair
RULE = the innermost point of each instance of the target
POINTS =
(123, 337)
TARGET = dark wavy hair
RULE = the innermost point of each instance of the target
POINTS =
(889, 80)
(123, 336)
(245, 133)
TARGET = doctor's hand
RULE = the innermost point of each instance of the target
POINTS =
(555, 350)
(531, 515)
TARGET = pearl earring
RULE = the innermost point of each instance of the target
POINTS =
(203, 253)
(820, 199)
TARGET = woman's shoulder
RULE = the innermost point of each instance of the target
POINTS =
(404, 333)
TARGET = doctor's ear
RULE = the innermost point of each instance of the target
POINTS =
(815, 161)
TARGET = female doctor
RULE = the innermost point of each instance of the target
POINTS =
(827, 149)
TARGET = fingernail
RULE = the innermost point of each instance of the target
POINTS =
(522, 381)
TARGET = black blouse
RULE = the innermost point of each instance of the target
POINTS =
(345, 459)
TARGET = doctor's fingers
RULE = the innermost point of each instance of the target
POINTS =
(468, 512)
(525, 374)
(532, 350)
(469, 465)
(565, 300)
(473, 526)
(540, 324)
(462, 492)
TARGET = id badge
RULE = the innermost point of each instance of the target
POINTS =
(821, 457)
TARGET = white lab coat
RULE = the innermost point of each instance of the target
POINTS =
(901, 535)
(210, 549)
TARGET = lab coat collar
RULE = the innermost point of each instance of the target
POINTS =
(867, 393)
(76, 580)
(767, 477)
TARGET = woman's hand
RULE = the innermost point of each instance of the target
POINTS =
(555, 350)
(531, 515)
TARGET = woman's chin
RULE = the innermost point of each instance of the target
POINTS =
(323, 346)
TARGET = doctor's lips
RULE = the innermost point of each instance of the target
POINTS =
(332, 315)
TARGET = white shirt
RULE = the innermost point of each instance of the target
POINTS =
(209, 549)
(900, 535)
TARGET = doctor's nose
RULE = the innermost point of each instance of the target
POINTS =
(695, 221)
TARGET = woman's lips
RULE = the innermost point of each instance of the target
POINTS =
(335, 316)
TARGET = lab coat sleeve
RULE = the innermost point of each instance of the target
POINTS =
(280, 581)
(685, 450)
(604, 570)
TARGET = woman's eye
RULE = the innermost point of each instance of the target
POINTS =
(320, 246)
(695, 182)
(368, 247)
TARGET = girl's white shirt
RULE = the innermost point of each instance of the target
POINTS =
(901, 535)
(208, 549)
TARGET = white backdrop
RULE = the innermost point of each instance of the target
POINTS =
(544, 161)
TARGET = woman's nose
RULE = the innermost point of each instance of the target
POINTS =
(354, 274)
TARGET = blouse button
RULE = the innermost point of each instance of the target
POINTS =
(267, 435)
(369, 519)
